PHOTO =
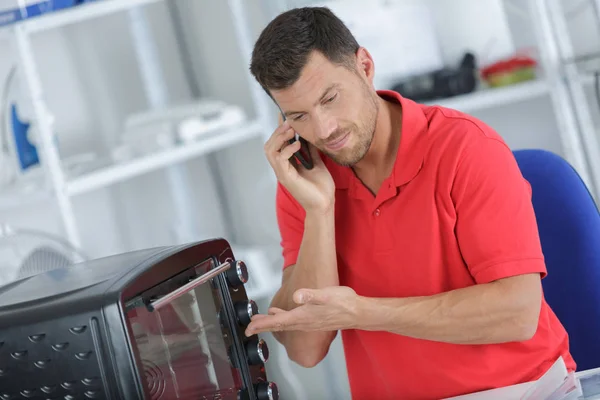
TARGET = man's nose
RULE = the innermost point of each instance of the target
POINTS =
(325, 126)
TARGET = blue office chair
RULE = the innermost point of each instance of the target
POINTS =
(569, 226)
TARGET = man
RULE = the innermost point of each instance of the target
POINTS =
(413, 234)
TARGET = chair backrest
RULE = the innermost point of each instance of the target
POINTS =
(569, 226)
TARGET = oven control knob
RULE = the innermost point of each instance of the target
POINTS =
(257, 351)
(245, 310)
(267, 391)
(237, 275)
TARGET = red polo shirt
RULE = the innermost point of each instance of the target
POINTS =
(455, 212)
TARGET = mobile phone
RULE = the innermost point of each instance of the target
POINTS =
(302, 155)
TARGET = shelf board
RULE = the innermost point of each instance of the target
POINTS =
(493, 97)
(76, 14)
(129, 169)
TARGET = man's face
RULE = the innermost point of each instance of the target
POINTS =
(333, 108)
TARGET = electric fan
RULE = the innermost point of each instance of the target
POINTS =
(28, 252)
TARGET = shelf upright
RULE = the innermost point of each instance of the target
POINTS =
(560, 93)
(575, 86)
(44, 121)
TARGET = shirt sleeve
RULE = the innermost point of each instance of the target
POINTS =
(290, 219)
(495, 221)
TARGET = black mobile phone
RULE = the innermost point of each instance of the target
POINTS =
(302, 155)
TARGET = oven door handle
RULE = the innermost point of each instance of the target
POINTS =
(202, 279)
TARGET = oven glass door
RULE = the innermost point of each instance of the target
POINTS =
(184, 349)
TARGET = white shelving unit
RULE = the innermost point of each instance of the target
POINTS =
(73, 15)
(13, 196)
(120, 172)
(554, 14)
(80, 13)
(494, 97)
(63, 187)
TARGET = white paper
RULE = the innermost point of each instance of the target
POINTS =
(543, 388)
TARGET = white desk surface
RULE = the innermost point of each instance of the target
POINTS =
(514, 392)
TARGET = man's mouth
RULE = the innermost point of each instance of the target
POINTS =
(338, 143)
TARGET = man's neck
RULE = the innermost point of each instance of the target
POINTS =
(381, 157)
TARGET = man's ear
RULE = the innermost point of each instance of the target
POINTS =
(365, 64)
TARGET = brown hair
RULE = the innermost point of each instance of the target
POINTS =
(283, 48)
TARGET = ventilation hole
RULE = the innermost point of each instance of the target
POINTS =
(6, 396)
(78, 329)
(28, 393)
(89, 381)
(92, 394)
(19, 355)
(42, 364)
(68, 385)
(60, 346)
(37, 338)
(3, 371)
(83, 355)
(48, 389)
(70, 397)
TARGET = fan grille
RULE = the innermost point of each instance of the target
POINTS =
(155, 380)
(43, 259)
(25, 252)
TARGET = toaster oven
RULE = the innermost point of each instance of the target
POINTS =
(162, 323)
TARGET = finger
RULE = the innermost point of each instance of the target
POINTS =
(283, 126)
(289, 151)
(281, 130)
(279, 137)
(310, 296)
(275, 310)
(277, 143)
(271, 323)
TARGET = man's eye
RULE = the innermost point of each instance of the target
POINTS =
(298, 118)
(329, 100)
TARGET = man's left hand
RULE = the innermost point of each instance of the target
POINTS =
(328, 309)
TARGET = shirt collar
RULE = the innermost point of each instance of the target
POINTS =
(411, 150)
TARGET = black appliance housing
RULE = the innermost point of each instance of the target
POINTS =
(162, 323)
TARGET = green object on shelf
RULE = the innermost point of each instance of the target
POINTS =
(512, 77)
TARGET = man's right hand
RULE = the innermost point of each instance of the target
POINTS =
(314, 189)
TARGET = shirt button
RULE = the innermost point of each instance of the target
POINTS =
(377, 212)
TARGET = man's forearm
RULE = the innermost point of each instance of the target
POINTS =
(316, 267)
(497, 312)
